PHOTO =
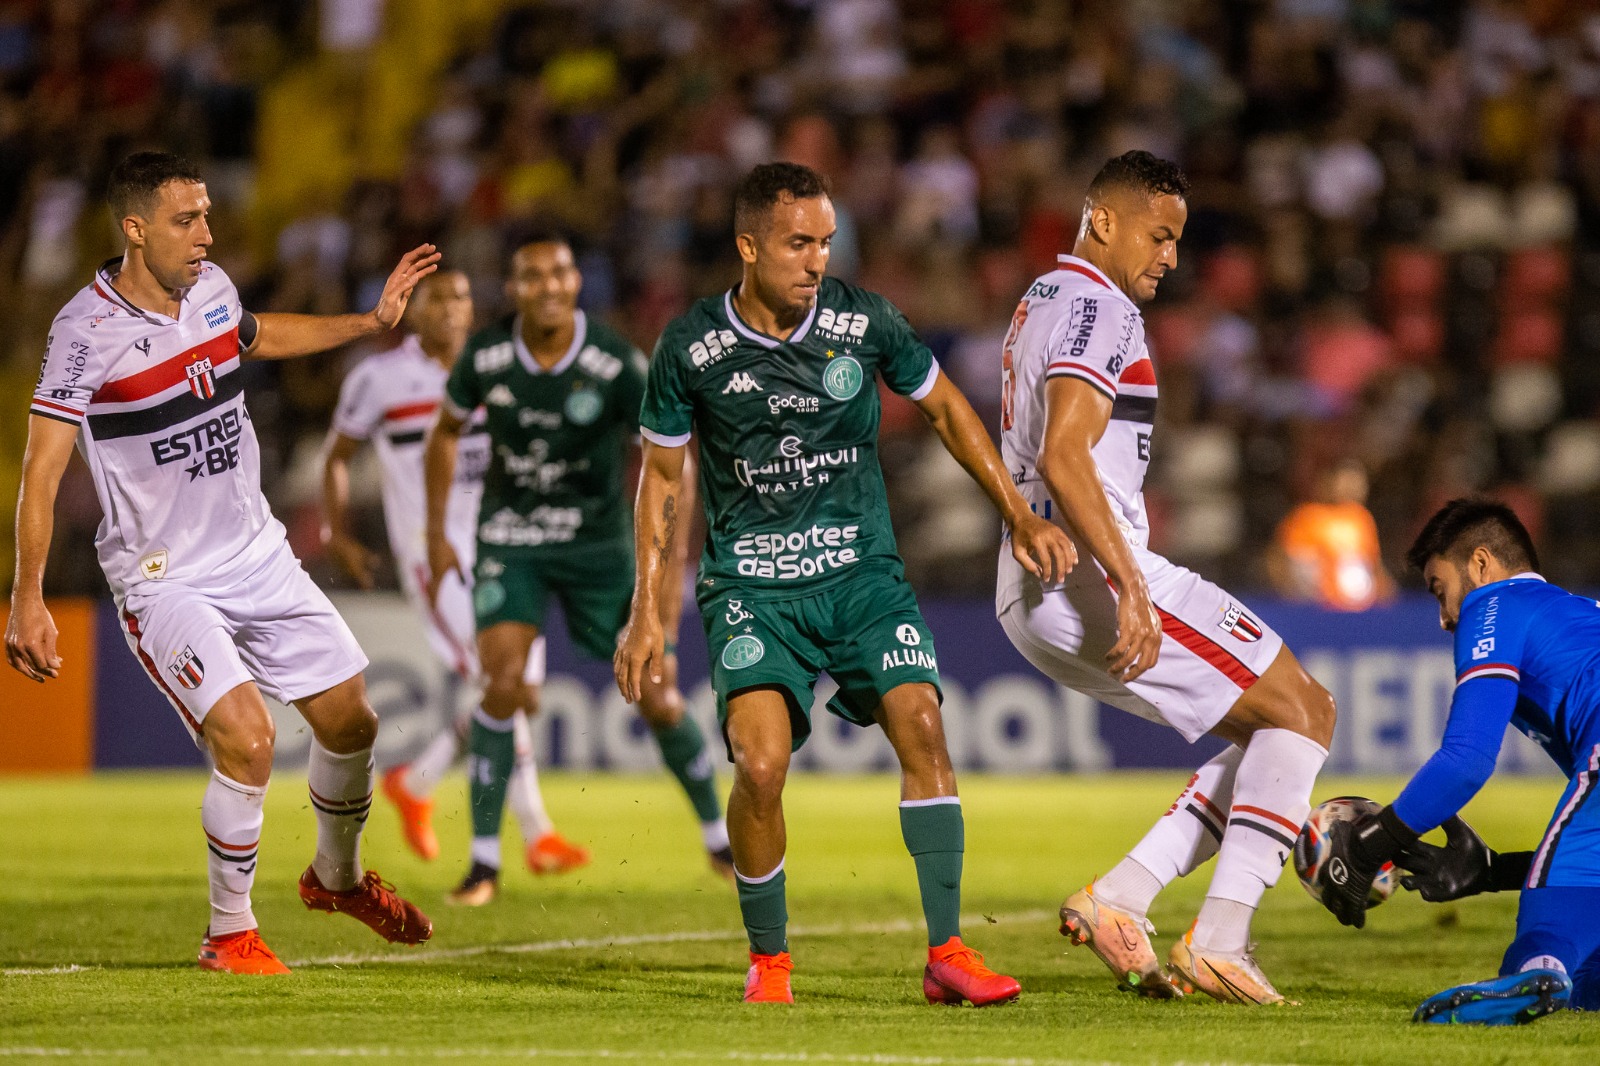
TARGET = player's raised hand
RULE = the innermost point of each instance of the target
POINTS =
(354, 558)
(442, 560)
(413, 267)
(31, 639)
(1138, 634)
(641, 652)
(1043, 548)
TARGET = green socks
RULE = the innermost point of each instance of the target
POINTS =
(766, 914)
(683, 749)
(491, 754)
(936, 838)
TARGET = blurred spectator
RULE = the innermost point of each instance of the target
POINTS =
(1326, 551)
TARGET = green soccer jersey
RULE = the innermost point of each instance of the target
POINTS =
(788, 431)
(557, 436)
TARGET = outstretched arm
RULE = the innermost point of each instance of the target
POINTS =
(284, 336)
(438, 473)
(31, 632)
(1038, 544)
(1076, 416)
(656, 516)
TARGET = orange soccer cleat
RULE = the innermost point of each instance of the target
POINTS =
(555, 854)
(768, 979)
(416, 813)
(242, 952)
(374, 903)
(955, 972)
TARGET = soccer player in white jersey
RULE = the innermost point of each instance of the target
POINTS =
(142, 371)
(1134, 630)
(390, 399)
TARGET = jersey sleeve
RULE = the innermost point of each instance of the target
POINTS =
(463, 389)
(359, 413)
(1488, 651)
(69, 375)
(666, 414)
(1093, 345)
(908, 366)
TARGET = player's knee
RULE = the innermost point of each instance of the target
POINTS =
(353, 728)
(244, 752)
(503, 696)
(662, 708)
(761, 773)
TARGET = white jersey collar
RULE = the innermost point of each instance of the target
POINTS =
(767, 340)
(580, 333)
(1082, 266)
(103, 285)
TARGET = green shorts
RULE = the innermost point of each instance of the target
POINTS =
(866, 632)
(594, 585)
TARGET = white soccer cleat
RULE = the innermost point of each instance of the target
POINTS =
(1120, 940)
(1228, 978)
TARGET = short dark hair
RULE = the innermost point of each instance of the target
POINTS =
(136, 180)
(1139, 171)
(1471, 522)
(768, 184)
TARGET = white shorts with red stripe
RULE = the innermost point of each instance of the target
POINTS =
(1212, 648)
(451, 624)
(273, 627)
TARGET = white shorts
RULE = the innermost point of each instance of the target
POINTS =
(451, 623)
(1212, 649)
(275, 628)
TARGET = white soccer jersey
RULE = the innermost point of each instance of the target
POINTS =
(390, 399)
(1074, 322)
(159, 403)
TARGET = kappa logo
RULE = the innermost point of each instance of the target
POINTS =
(500, 396)
(1483, 648)
(202, 379)
(188, 668)
(217, 316)
(741, 383)
(1239, 624)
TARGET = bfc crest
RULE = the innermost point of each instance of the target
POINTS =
(1241, 625)
(188, 668)
(202, 378)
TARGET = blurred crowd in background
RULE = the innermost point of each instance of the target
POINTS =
(1388, 293)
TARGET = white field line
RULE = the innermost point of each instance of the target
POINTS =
(538, 947)
(618, 1054)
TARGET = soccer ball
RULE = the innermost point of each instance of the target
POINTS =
(1311, 847)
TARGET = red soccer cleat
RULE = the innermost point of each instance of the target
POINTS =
(555, 854)
(955, 972)
(374, 903)
(768, 979)
(416, 813)
(242, 952)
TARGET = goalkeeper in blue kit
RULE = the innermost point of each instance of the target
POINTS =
(1528, 656)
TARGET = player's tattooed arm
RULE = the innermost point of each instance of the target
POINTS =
(641, 649)
(1039, 545)
(30, 631)
(1076, 416)
(285, 336)
(438, 474)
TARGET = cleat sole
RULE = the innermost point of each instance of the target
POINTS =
(1519, 1004)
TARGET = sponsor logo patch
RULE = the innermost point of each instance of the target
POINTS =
(153, 567)
(800, 405)
(842, 377)
(217, 316)
(908, 635)
(842, 324)
(1483, 648)
(188, 668)
(743, 651)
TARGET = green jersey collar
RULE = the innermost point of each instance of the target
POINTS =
(766, 340)
(580, 332)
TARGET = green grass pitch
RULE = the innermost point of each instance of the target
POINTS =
(641, 957)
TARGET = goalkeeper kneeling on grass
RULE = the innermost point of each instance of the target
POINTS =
(1527, 655)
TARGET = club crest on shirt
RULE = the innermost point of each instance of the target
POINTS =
(188, 668)
(202, 378)
(1241, 625)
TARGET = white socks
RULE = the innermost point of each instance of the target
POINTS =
(523, 797)
(231, 817)
(429, 768)
(1271, 798)
(1180, 841)
(341, 794)
(714, 834)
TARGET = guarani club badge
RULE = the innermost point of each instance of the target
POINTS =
(742, 651)
(1241, 625)
(583, 406)
(188, 668)
(842, 377)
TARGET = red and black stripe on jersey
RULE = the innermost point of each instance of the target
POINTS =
(222, 350)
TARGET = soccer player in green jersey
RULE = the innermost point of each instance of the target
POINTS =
(562, 396)
(800, 572)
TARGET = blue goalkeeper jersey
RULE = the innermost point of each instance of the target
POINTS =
(1527, 655)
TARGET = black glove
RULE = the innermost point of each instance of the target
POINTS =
(1356, 853)
(1464, 867)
